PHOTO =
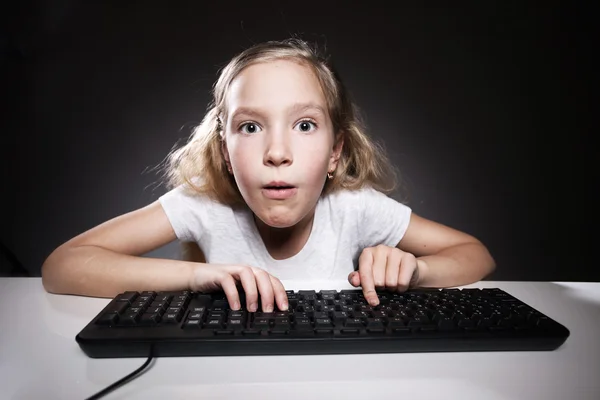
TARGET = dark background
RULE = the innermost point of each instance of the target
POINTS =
(484, 109)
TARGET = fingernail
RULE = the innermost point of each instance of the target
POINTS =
(253, 307)
(284, 307)
(235, 305)
(269, 308)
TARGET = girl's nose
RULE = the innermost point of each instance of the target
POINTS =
(278, 151)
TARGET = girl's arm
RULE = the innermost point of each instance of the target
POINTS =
(429, 255)
(107, 260)
(445, 256)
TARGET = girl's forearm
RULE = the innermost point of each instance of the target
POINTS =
(98, 272)
(455, 266)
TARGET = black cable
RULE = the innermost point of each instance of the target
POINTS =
(122, 381)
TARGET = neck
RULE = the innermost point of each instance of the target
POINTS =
(282, 243)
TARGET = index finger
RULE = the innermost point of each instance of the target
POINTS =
(230, 290)
(280, 294)
(365, 271)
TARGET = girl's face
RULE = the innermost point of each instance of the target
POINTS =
(279, 140)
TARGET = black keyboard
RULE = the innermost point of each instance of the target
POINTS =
(169, 324)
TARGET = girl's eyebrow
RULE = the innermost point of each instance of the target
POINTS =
(303, 107)
(293, 109)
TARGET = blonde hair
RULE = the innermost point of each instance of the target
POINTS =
(200, 163)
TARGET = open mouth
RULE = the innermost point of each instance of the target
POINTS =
(279, 190)
(279, 187)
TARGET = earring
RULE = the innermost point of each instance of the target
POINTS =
(330, 175)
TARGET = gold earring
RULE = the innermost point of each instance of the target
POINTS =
(329, 175)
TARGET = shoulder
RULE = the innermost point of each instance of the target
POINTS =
(192, 213)
(364, 205)
(365, 197)
(373, 216)
(186, 196)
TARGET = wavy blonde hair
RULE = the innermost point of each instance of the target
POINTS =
(362, 161)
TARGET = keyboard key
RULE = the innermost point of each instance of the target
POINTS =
(140, 304)
(172, 318)
(322, 323)
(264, 315)
(354, 323)
(375, 323)
(396, 322)
(303, 324)
(164, 298)
(262, 323)
(129, 319)
(307, 295)
(235, 324)
(192, 323)
(127, 297)
(118, 307)
(108, 319)
(150, 319)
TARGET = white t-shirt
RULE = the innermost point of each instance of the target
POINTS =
(346, 222)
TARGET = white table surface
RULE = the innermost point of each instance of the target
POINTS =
(39, 358)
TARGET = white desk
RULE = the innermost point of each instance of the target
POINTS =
(39, 358)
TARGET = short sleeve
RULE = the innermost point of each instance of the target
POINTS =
(181, 208)
(384, 219)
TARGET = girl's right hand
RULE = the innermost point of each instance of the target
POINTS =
(254, 281)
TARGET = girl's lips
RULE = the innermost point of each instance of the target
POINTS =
(279, 193)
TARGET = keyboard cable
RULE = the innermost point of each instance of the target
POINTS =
(122, 381)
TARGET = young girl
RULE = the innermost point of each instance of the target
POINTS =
(279, 181)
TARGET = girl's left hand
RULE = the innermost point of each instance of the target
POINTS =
(384, 267)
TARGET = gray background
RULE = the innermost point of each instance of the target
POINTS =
(484, 109)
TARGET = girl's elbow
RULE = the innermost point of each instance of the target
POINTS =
(51, 271)
(489, 263)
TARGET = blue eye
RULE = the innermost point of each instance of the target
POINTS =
(249, 128)
(306, 126)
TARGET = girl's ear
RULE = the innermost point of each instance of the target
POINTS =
(224, 150)
(225, 153)
(337, 150)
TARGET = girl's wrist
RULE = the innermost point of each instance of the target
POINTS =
(192, 271)
(419, 274)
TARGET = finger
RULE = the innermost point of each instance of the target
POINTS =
(246, 276)
(365, 271)
(230, 289)
(408, 264)
(354, 279)
(265, 289)
(280, 295)
(379, 266)
(393, 269)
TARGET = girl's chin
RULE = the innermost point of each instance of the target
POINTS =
(278, 220)
(278, 217)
